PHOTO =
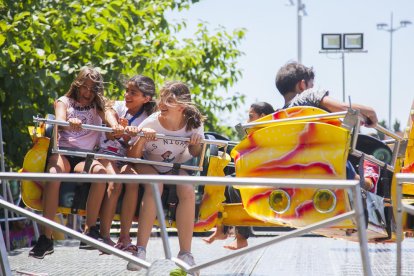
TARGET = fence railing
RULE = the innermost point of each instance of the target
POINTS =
(357, 213)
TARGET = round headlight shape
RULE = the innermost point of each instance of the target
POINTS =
(324, 201)
(279, 201)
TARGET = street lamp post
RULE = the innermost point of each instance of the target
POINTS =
(301, 11)
(390, 28)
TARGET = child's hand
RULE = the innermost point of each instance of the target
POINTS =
(123, 122)
(75, 124)
(149, 134)
(195, 139)
(132, 130)
(118, 130)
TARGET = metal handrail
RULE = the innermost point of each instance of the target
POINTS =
(357, 213)
(401, 207)
(56, 149)
(333, 115)
(221, 143)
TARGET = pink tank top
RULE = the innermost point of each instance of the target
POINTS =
(83, 139)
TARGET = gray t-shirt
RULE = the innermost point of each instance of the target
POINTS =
(309, 97)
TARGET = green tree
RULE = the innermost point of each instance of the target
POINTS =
(397, 126)
(381, 135)
(43, 43)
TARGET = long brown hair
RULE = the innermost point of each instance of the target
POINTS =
(91, 73)
(181, 94)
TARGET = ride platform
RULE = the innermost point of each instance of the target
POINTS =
(297, 256)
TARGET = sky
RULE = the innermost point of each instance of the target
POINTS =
(271, 42)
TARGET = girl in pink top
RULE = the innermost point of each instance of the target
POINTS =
(83, 104)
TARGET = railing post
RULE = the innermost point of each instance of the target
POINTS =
(161, 220)
(4, 184)
(362, 234)
(4, 265)
(399, 226)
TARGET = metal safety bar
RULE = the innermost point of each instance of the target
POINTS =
(333, 115)
(407, 178)
(221, 143)
(127, 159)
(84, 154)
(357, 213)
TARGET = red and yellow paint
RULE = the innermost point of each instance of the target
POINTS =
(312, 150)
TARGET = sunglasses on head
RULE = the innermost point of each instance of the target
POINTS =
(94, 88)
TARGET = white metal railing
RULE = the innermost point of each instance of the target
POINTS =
(356, 213)
(402, 207)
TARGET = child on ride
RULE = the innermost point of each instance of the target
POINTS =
(177, 116)
(131, 112)
(242, 233)
(84, 103)
(295, 82)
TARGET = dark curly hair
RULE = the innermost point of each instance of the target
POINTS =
(290, 74)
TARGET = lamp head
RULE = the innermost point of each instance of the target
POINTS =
(289, 3)
(405, 23)
(381, 26)
(302, 10)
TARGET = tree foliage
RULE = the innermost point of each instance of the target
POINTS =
(43, 43)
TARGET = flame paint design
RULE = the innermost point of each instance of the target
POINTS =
(319, 150)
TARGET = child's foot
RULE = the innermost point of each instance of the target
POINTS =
(93, 232)
(43, 247)
(188, 258)
(141, 253)
(215, 236)
(238, 243)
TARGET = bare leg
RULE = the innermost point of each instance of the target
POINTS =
(57, 164)
(147, 212)
(217, 235)
(185, 215)
(129, 205)
(239, 242)
(113, 191)
(96, 194)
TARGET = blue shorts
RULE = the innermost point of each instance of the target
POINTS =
(350, 171)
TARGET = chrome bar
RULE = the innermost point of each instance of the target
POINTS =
(13, 219)
(388, 133)
(172, 179)
(405, 177)
(395, 152)
(124, 159)
(108, 129)
(4, 264)
(334, 115)
(408, 208)
(161, 221)
(362, 234)
(389, 141)
(4, 187)
(371, 158)
(401, 178)
(184, 180)
(399, 229)
(56, 226)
